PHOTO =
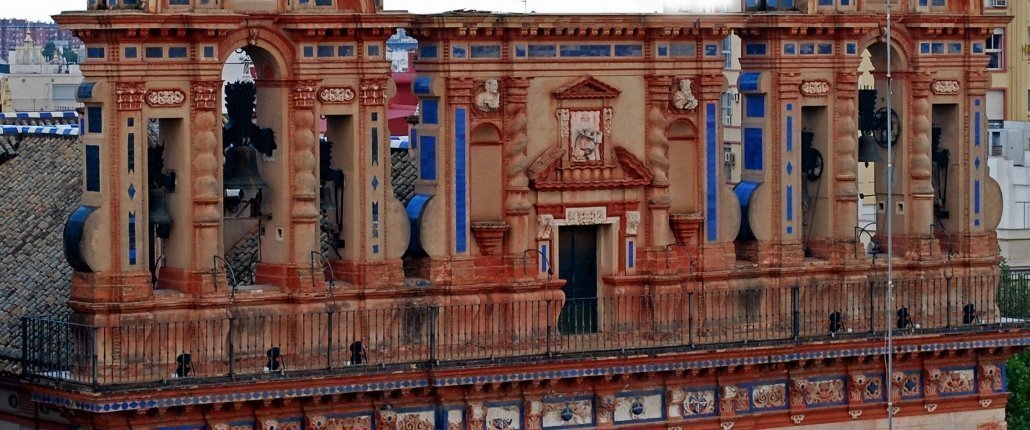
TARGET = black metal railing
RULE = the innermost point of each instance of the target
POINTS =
(254, 342)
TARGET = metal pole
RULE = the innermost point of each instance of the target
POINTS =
(890, 230)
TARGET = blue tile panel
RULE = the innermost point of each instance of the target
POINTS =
(520, 51)
(95, 119)
(753, 148)
(682, 50)
(663, 50)
(345, 51)
(375, 146)
(430, 111)
(711, 50)
(790, 132)
(629, 50)
(324, 51)
(631, 254)
(749, 81)
(422, 85)
(130, 153)
(485, 51)
(209, 52)
(755, 49)
(501, 376)
(154, 52)
(460, 181)
(790, 203)
(543, 258)
(130, 52)
(542, 51)
(95, 52)
(93, 168)
(309, 51)
(458, 51)
(755, 104)
(132, 238)
(178, 52)
(790, 49)
(585, 50)
(976, 196)
(976, 128)
(712, 173)
(429, 51)
(427, 157)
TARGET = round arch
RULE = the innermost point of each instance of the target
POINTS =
(274, 52)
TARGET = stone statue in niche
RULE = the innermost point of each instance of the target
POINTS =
(683, 98)
(489, 100)
(587, 138)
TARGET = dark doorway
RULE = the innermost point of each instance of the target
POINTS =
(577, 250)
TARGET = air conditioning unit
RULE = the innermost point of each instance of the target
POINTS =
(729, 157)
(1000, 3)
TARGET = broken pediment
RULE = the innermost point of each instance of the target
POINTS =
(586, 88)
(548, 172)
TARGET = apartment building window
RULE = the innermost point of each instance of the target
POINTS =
(995, 49)
(727, 108)
(727, 52)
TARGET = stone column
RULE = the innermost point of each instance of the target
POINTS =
(205, 188)
(844, 212)
(918, 216)
(516, 189)
(658, 232)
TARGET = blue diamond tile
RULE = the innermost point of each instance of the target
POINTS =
(375, 183)
(132, 191)
(977, 162)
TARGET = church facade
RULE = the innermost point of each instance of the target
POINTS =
(570, 255)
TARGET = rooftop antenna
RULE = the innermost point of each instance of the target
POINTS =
(890, 231)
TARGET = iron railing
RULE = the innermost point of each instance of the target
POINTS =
(255, 343)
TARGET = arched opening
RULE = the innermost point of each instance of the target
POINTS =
(254, 205)
(873, 158)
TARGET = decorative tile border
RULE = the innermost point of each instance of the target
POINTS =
(102, 407)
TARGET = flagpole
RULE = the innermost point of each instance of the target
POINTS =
(890, 230)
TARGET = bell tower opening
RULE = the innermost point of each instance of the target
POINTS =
(252, 117)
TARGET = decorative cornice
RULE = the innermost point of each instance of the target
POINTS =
(336, 95)
(947, 86)
(815, 88)
(586, 87)
(166, 98)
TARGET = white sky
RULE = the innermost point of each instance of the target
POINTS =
(40, 10)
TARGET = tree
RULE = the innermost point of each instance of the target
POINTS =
(70, 56)
(1017, 373)
(48, 51)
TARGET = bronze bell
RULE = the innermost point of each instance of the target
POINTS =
(867, 151)
(327, 201)
(241, 172)
(157, 213)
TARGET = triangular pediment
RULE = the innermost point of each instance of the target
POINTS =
(549, 173)
(586, 88)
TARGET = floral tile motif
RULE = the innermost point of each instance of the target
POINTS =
(874, 388)
(957, 382)
(503, 416)
(825, 392)
(769, 396)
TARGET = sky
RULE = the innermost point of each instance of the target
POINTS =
(40, 10)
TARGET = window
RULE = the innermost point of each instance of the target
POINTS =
(325, 51)
(755, 105)
(95, 52)
(95, 119)
(64, 91)
(994, 49)
(130, 52)
(178, 52)
(727, 52)
(154, 52)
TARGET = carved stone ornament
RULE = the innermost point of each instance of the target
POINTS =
(544, 227)
(930, 407)
(797, 419)
(683, 95)
(303, 94)
(632, 222)
(373, 92)
(317, 422)
(985, 403)
(489, 100)
(336, 95)
(165, 98)
(606, 120)
(129, 95)
(586, 216)
(727, 425)
(948, 86)
(205, 94)
(563, 122)
(855, 413)
(815, 88)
